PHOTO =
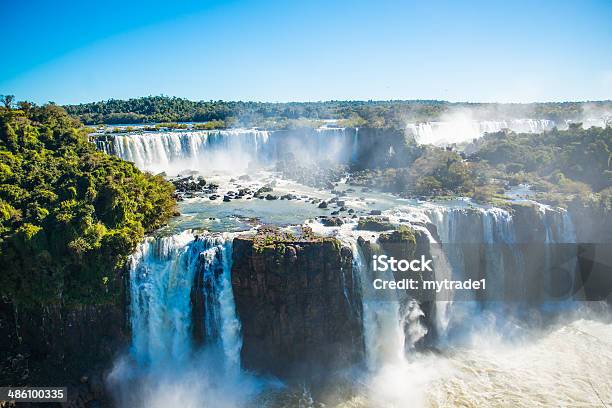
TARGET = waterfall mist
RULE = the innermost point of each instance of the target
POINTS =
(230, 151)
(165, 366)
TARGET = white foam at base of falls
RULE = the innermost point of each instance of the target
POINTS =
(164, 368)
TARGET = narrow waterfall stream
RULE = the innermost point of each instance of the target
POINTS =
(166, 274)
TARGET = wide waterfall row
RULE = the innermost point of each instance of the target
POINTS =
(525, 266)
(166, 275)
(445, 133)
(182, 300)
(176, 151)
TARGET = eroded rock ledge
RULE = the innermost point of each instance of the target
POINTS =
(297, 299)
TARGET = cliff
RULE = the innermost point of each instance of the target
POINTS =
(61, 346)
(298, 304)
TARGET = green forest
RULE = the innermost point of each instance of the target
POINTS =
(69, 214)
(157, 109)
(560, 165)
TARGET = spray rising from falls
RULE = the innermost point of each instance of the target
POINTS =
(162, 279)
(185, 332)
(446, 133)
(524, 265)
(228, 150)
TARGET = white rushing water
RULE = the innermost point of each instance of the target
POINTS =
(164, 366)
(465, 130)
(162, 276)
(232, 151)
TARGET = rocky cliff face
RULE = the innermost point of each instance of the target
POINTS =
(380, 148)
(594, 235)
(298, 303)
(61, 346)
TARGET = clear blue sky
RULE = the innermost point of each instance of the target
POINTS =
(79, 51)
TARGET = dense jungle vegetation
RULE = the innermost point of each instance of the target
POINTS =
(156, 109)
(69, 215)
(560, 165)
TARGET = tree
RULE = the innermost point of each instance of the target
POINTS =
(7, 100)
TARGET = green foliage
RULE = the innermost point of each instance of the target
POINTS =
(213, 124)
(402, 234)
(374, 224)
(275, 238)
(376, 114)
(564, 163)
(69, 215)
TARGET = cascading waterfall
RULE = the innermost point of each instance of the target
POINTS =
(391, 323)
(382, 323)
(560, 235)
(166, 366)
(174, 151)
(225, 150)
(162, 275)
(445, 133)
(467, 234)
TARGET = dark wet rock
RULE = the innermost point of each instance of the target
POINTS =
(375, 212)
(332, 222)
(264, 189)
(335, 212)
(323, 204)
(271, 197)
(374, 224)
(59, 344)
(226, 199)
(291, 297)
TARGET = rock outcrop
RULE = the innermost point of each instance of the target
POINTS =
(298, 303)
(61, 346)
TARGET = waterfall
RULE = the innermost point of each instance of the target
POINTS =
(355, 147)
(391, 322)
(483, 242)
(228, 150)
(162, 275)
(174, 151)
(559, 253)
(449, 132)
(382, 323)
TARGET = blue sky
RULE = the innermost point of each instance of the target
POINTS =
(520, 51)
